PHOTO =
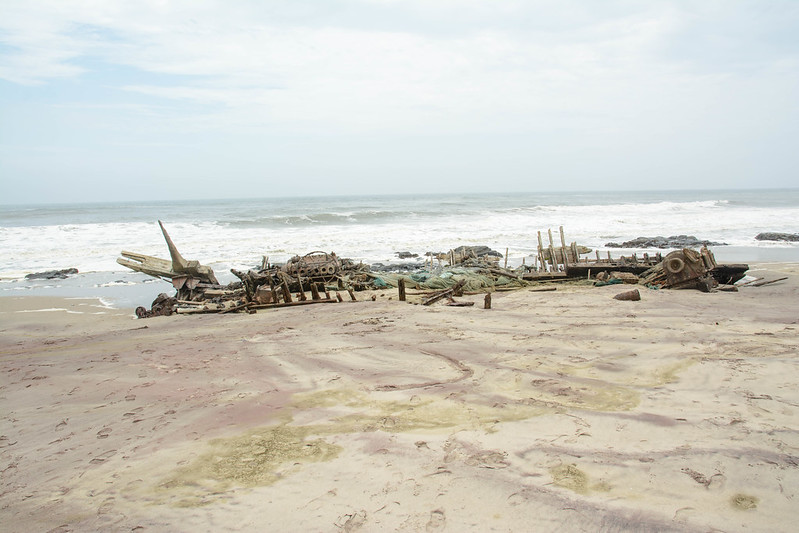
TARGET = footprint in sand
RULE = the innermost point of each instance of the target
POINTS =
(61, 425)
(437, 521)
(106, 506)
(103, 433)
(355, 521)
(103, 457)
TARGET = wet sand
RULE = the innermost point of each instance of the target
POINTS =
(553, 411)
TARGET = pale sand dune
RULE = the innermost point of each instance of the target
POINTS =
(554, 411)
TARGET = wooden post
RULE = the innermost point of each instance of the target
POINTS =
(315, 291)
(554, 259)
(338, 297)
(487, 301)
(563, 248)
(506, 258)
(286, 292)
(352, 295)
(541, 253)
(274, 291)
(401, 288)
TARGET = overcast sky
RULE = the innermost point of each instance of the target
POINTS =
(106, 100)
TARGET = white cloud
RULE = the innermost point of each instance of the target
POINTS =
(617, 81)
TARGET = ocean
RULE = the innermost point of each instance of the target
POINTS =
(227, 233)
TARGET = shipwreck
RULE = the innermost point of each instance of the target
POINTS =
(444, 276)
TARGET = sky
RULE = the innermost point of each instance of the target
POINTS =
(188, 99)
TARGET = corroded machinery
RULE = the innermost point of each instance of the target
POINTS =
(317, 266)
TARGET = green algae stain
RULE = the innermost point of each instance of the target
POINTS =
(570, 477)
(329, 398)
(432, 416)
(363, 414)
(256, 458)
(580, 393)
(744, 502)
(670, 373)
(265, 455)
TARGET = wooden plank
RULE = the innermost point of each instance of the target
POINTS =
(563, 248)
(436, 297)
(292, 304)
(553, 260)
(541, 253)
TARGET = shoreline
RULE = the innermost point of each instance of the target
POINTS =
(675, 413)
(125, 288)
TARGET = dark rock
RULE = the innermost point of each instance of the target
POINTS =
(406, 255)
(769, 236)
(53, 274)
(675, 241)
(478, 251)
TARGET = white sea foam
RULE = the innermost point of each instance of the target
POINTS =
(236, 234)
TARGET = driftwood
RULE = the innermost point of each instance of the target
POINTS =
(454, 303)
(769, 282)
(452, 291)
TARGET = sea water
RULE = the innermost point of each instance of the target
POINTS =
(237, 233)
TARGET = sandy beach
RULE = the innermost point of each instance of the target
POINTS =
(552, 411)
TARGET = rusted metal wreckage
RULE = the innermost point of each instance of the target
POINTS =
(680, 269)
(463, 270)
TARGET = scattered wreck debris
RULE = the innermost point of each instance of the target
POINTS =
(565, 262)
(684, 268)
(465, 270)
(632, 296)
(180, 271)
(688, 268)
(163, 305)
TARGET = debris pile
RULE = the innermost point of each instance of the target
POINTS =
(163, 305)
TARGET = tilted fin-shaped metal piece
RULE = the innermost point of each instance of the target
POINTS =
(179, 264)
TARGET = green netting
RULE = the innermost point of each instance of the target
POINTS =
(474, 281)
